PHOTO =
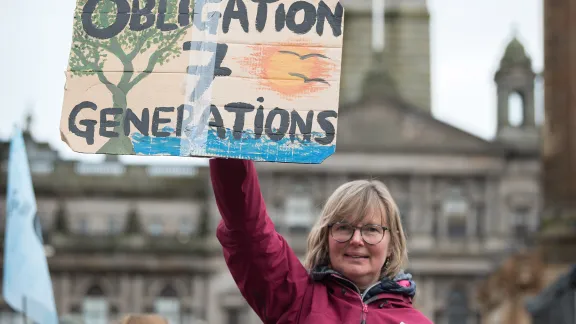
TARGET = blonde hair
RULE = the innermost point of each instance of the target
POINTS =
(358, 199)
(144, 319)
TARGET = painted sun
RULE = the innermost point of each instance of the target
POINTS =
(291, 71)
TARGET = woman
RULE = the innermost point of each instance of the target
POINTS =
(354, 250)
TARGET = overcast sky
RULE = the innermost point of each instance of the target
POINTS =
(467, 39)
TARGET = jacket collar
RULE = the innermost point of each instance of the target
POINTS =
(385, 286)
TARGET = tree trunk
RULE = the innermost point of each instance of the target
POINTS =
(121, 144)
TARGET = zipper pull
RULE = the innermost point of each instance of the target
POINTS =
(364, 313)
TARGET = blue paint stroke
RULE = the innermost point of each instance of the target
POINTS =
(264, 149)
(150, 145)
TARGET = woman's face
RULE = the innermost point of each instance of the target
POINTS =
(357, 260)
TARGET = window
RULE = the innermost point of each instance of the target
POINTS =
(41, 161)
(515, 109)
(105, 168)
(114, 224)
(156, 228)
(457, 311)
(168, 305)
(455, 209)
(186, 226)
(41, 167)
(456, 226)
(521, 227)
(169, 308)
(233, 315)
(83, 225)
(171, 171)
(95, 307)
(299, 209)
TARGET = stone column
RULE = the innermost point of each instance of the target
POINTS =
(64, 293)
(213, 212)
(408, 49)
(137, 293)
(198, 295)
(559, 145)
(424, 301)
(495, 216)
(530, 108)
(125, 299)
(421, 213)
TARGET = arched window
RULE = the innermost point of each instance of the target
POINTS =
(515, 109)
(167, 304)
(95, 306)
(457, 311)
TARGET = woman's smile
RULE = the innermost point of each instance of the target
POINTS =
(356, 256)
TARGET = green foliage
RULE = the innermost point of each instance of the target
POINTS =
(89, 54)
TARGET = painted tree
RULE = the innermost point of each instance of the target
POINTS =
(89, 54)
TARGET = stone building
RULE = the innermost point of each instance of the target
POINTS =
(538, 283)
(132, 238)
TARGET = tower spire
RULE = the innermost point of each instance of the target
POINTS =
(515, 30)
(515, 82)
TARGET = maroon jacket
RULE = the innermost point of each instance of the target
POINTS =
(273, 280)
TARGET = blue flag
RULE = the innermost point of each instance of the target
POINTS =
(27, 286)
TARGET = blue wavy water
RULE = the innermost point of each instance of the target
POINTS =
(264, 149)
(150, 145)
(247, 147)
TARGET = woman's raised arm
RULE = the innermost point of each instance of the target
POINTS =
(266, 270)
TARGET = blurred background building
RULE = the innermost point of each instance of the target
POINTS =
(129, 238)
(537, 284)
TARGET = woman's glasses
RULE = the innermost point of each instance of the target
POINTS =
(371, 234)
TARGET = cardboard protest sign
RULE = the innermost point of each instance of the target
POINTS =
(250, 79)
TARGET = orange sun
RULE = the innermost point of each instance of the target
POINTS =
(291, 71)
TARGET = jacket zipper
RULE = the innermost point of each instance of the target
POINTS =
(364, 306)
(364, 313)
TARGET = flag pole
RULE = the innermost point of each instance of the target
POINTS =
(24, 309)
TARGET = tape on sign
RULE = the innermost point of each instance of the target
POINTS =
(203, 48)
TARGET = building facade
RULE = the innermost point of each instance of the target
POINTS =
(538, 284)
(132, 238)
